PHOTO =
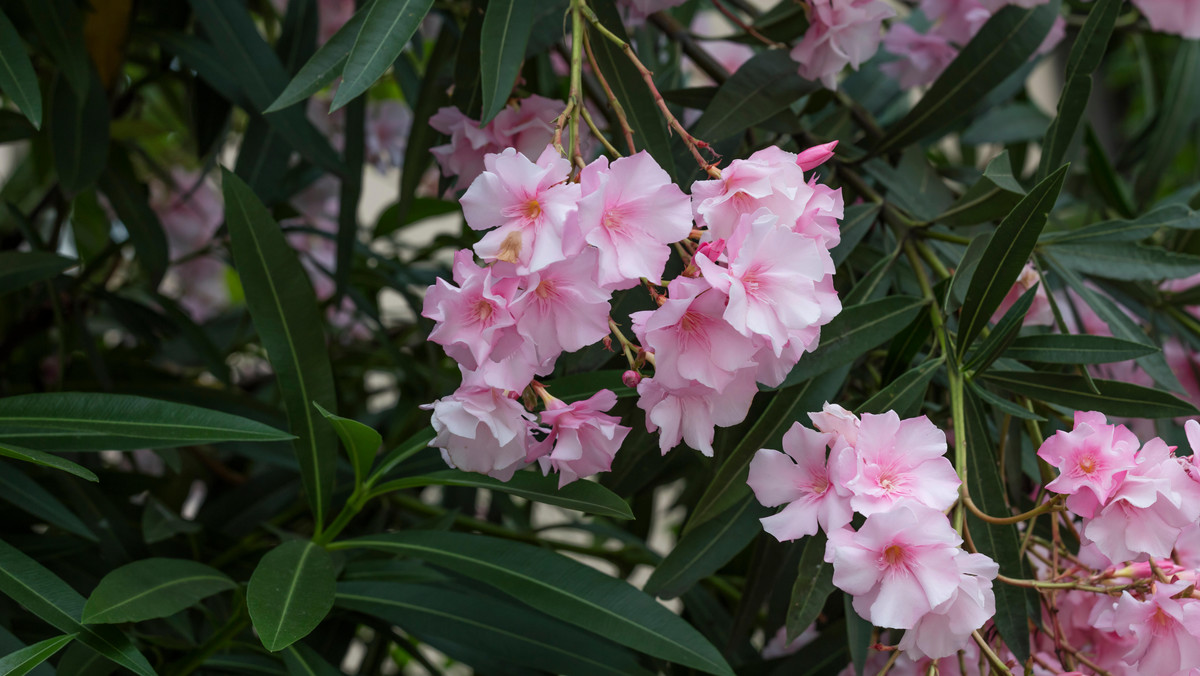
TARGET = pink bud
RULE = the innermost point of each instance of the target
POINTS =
(711, 250)
(815, 156)
(631, 378)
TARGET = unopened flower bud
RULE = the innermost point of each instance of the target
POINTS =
(711, 250)
(631, 378)
(815, 156)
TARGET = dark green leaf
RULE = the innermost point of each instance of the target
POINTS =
(1003, 45)
(151, 588)
(284, 308)
(992, 196)
(1002, 334)
(244, 665)
(46, 460)
(14, 127)
(858, 220)
(1179, 110)
(79, 134)
(160, 523)
(1112, 187)
(360, 441)
(1169, 216)
(19, 269)
(585, 496)
(814, 584)
(128, 198)
(763, 86)
(854, 331)
(26, 659)
(904, 394)
(81, 660)
(704, 549)
(17, 78)
(42, 593)
(1006, 254)
(858, 636)
(60, 26)
(302, 660)
(1006, 124)
(323, 66)
(912, 185)
(161, 424)
(1115, 398)
(385, 30)
(562, 588)
(1069, 349)
(1001, 404)
(1127, 262)
(506, 28)
(290, 592)
(29, 496)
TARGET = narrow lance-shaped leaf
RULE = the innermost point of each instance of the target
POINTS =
(1114, 399)
(29, 496)
(763, 86)
(506, 28)
(385, 30)
(814, 584)
(302, 660)
(1068, 349)
(26, 659)
(60, 27)
(1006, 254)
(17, 78)
(80, 134)
(323, 66)
(290, 592)
(46, 460)
(1127, 262)
(704, 549)
(1179, 110)
(284, 309)
(151, 588)
(19, 269)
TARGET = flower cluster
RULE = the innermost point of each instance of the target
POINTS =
(904, 566)
(756, 288)
(527, 127)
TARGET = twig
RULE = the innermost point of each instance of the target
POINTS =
(618, 110)
(750, 30)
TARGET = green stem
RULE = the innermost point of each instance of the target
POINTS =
(575, 101)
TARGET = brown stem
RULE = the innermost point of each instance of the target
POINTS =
(750, 30)
(619, 111)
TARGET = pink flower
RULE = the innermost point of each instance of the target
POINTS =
(190, 209)
(388, 126)
(947, 628)
(1176, 17)
(1091, 460)
(957, 20)
(1185, 364)
(582, 439)
(779, 646)
(899, 566)
(802, 480)
(636, 11)
(1166, 630)
(772, 282)
(710, 26)
(561, 308)
(690, 411)
(811, 158)
(819, 220)
(528, 126)
(689, 337)
(1040, 312)
(463, 155)
(474, 320)
(481, 430)
(332, 15)
(896, 460)
(527, 203)
(631, 212)
(769, 179)
(841, 32)
(839, 422)
(923, 56)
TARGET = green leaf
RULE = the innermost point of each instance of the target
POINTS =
(787, 406)
(858, 636)
(1127, 262)
(992, 196)
(26, 659)
(912, 185)
(1179, 110)
(1003, 45)
(42, 593)
(855, 330)
(1176, 216)
(151, 588)
(81, 660)
(585, 496)
(160, 523)
(361, 441)
(245, 665)
(506, 28)
(17, 78)
(79, 134)
(19, 269)
(1115, 398)
(29, 496)
(290, 592)
(60, 27)
(562, 588)
(1069, 349)
(46, 460)
(284, 309)
(814, 584)
(1001, 404)
(859, 219)
(302, 660)
(117, 417)
(904, 394)
(385, 30)
(1006, 254)
(704, 549)
(763, 86)
(1011, 123)
(129, 199)
(1003, 334)
(512, 633)
(323, 66)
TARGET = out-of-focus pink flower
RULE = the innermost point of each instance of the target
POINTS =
(1058, 30)
(947, 628)
(631, 212)
(583, 440)
(526, 203)
(528, 127)
(957, 20)
(635, 11)
(1185, 364)
(709, 26)
(899, 566)
(690, 411)
(1040, 313)
(474, 320)
(318, 209)
(1091, 460)
(898, 460)
(1176, 17)
(481, 430)
(689, 337)
(331, 16)
(561, 308)
(803, 481)
(841, 32)
(779, 646)
(923, 56)
(388, 126)
(190, 211)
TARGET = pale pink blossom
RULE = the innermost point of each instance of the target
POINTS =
(525, 204)
(811, 158)
(898, 460)
(947, 628)
(631, 212)
(1058, 30)
(690, 411)
(923, 56)
(474, 320)
(957, 20)
(1040, 313)
(463, 155)
(819, 220)
(839, 422)
(561, 309)
(317, 205)
(1176, 17)
(804, 481)
(689, 337)
(331, 16)
(840, 32)
(636, 11)
(769, 179)
(1091, 460)
(899, 566)
(481, 430)
(190, 210)
(582, 440)
(1166, 631)
(709, 26)
(779, 646)
(528, 125)
(387, 129)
